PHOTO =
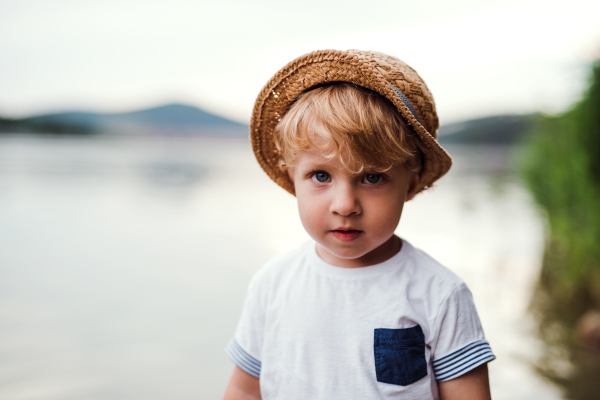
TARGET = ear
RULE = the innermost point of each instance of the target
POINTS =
(413, 188)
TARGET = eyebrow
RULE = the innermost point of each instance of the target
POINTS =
(317, 165)
(326, 167)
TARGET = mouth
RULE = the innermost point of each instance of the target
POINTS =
(346, 234)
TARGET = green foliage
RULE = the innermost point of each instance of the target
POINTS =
(562, 169)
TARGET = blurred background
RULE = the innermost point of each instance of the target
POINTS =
(133, 213)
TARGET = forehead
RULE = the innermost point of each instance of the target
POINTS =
(322, 147)
(317, 139)
(318, 156)
(330, 161)
(317, 147)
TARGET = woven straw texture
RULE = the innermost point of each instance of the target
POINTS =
(372, 70)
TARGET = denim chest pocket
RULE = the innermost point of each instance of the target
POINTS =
(400, 355)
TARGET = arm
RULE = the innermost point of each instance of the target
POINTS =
(474, 385)
(242, 386)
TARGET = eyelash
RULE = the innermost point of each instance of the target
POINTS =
(381, 179)
(313, 175)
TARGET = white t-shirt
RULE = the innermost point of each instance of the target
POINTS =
(311, 330)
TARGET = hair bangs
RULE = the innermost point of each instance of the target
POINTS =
(356, 124)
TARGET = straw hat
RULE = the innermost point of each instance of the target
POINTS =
(379, 72)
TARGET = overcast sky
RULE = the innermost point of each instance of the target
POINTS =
(478, 57)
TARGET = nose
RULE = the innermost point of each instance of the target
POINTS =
(345, 200)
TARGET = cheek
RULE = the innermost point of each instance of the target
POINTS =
(386, 214)
(311, 210)
(303, 209)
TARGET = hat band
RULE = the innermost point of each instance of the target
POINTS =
(406, 102)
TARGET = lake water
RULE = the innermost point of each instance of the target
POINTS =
(124, 262)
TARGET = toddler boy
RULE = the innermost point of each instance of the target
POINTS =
(357, 313)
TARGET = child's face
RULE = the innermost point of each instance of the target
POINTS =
(351, 217)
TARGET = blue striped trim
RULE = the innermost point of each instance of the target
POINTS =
(242, 359)
(406, 102)
(459, 353)
(462, 360)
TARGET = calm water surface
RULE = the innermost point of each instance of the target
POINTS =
(124, 263)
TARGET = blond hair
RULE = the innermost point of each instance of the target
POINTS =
(360, 126)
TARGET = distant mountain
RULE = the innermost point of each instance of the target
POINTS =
(172, 119)
(500, 129)
(180, 119)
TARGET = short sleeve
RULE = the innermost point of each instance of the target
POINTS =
(460, 344)
(245, 347)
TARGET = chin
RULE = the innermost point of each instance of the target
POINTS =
(347, 253)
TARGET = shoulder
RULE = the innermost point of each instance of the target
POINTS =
(430, 274)
(427, 266)
(281, 266)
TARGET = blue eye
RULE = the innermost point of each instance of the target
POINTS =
(372, 179)
(320, 177)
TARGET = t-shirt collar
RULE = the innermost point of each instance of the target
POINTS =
(388, 265)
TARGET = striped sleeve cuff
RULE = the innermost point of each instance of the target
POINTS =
(242, 359)
(463, 360)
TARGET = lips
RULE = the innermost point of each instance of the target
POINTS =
(346, 235)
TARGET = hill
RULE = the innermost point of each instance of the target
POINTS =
(172, 119)
(495, 130)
